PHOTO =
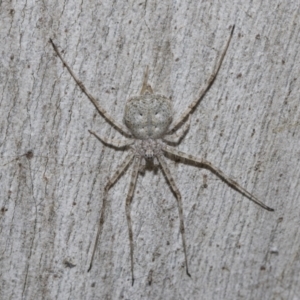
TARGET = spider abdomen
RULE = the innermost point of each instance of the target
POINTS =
(148, 116)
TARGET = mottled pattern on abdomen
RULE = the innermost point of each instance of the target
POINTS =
(148, 116)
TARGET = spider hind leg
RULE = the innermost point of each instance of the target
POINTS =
(174, 188)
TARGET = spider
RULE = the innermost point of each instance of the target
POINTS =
(149, 132)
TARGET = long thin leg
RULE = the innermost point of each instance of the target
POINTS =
(134, 175)
(202, 91)
(110, 183)
(179, 202)
(113, 142)
(177, 136)
(101, 111)
(207, 165)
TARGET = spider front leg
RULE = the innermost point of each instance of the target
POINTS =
(179, 202)
(110, 183)
(207, 165)
(121, 128)
(134, 175)
(202, 91)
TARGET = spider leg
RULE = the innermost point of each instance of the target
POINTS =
(146, 88)
(179, 202)
(110, 183)
(207, 165)
(134, 175)
(202, 91)
(176, 137)
(101, 111)
(113, 142)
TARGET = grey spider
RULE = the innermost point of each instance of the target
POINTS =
(149, 129)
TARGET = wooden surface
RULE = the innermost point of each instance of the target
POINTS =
(53, 171)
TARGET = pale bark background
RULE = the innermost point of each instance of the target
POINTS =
(53, 171)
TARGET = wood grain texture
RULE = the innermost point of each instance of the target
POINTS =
(53, 172)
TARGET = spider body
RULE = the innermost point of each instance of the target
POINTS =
(149, 130)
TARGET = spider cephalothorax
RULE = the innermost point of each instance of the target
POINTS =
(147, 149)
(149, 130)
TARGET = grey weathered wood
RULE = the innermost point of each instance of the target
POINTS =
(248, 125)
